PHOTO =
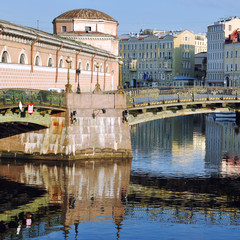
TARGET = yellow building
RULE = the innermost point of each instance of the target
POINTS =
(232, 60)
(156, 58)
(184, 53)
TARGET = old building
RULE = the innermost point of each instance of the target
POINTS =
(200, 68)
(200, 43)
(89, 26)
(30, 58)
(232, 60)
(216, 34)
(157, 58)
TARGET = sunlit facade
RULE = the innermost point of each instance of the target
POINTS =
(200, 43)
(232, 60)
(216, 34)
(155, 59)
(30, 58)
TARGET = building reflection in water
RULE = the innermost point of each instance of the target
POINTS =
(222, 147)
(170, 133)
(81, 192)
(211, 197)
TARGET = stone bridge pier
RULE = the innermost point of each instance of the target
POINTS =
(92, 127)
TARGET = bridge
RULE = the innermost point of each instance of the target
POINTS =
(38, 124)
(147, 104)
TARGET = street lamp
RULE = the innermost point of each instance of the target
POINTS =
(78, 71)
(120, 87)
(97, 86)
(68, 86)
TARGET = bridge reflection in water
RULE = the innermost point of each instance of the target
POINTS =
(68, 198)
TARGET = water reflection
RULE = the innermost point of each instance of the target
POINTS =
(91, 191)
(222, 147)
(186, 170)
(184, 178)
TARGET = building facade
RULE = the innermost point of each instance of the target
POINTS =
(200, 68)
(216, 35)
(89, 26)
(30, 58)
(155, 59)
(200, 43)
(232, 60)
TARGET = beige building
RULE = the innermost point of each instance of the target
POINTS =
(216, 34)
(232, 60)
(157, 58)
(89, 26)
(200, 43)
(30, 58)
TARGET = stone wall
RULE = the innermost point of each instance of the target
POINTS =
(92, 127)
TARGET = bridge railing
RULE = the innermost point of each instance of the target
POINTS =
(31, 96)
(167, 95)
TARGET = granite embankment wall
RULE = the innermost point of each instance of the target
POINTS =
(91, 128)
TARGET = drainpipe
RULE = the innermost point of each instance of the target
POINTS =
(77, 62)
(57, 62)
(105, 62)
(32, 52)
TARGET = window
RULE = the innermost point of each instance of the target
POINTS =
(50, 62)
(22, 59)
(37, 61)
(60, 63)
(88, 29)
(87, 67)
(235, 67)
(64, 28)
(80, 65)
(4, 57)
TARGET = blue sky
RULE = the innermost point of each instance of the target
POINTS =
(132, 15)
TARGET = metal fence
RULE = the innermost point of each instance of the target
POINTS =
(168, 95)
(31, 96)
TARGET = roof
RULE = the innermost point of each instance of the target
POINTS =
(45, 37)
(85, 34)
(85, 13)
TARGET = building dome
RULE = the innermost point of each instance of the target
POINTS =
(85, 13)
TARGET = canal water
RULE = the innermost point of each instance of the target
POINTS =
(182, 183)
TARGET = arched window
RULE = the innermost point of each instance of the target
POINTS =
(87, 67)
(4, 57)
(37, 61)
(80, 65)
(50, 62)
(61, 63)
(22, 59)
